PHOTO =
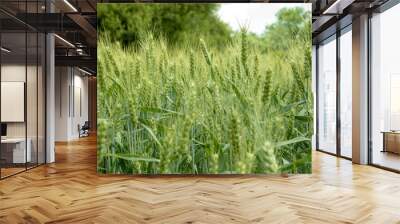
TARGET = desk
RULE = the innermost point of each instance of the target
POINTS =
(391, 141)
(15, 148)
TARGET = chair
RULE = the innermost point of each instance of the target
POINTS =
(84, 130)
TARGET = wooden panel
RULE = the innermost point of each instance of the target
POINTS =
(392, 142)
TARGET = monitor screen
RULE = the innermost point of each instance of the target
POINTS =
(3, 129)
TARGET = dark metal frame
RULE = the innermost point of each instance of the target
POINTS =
(44, 79)
(338, 98)
(369, 90)
(316, 97)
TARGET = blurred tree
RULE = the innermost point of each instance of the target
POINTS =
(126, 22)
(293, 24)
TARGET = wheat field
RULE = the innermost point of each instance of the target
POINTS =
(199, 109)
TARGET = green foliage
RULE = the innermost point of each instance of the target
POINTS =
(293, 24)
(197, 108)
(126, 23)
(267, 88)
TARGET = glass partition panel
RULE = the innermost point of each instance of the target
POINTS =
(31, 97)
(385, 89)
(346, 93)
(327, 96)
(15, 151)
(22, 77)
(41, 99)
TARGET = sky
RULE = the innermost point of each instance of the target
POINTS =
(255, 16)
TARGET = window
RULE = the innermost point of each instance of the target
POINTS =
(346, 92)
(385, 89)
(22, 77)
(327, 96)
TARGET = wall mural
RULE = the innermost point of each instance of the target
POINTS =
(204, 88)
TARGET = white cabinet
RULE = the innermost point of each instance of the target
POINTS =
(18, 145)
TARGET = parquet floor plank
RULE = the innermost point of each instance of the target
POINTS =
(70, 191)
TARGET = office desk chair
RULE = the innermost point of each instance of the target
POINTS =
(84, 130)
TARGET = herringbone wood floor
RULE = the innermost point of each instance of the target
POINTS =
(70, 191)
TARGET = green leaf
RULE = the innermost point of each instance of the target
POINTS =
(132, 158)
(151, 134)
(304, 118)
(238, 94)
(292, 141)
(157, 110)
(290, 106)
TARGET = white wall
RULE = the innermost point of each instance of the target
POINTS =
(79, 117)
(13, 72)
(16, 73)
(33, 127)
(62, 82)
(70, 83)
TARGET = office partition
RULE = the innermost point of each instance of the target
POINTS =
(334, 93)
(14, 148)
(22, 77)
